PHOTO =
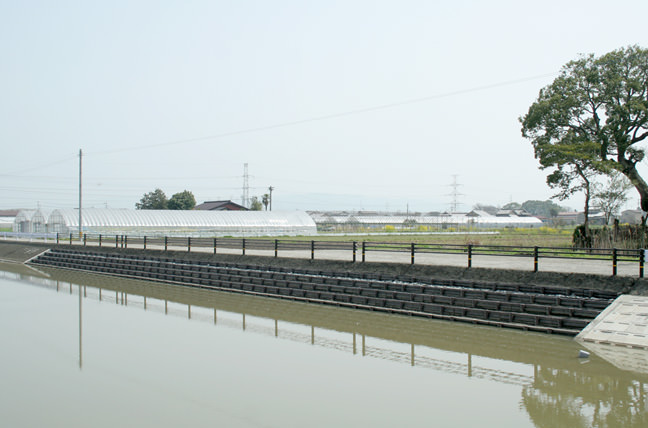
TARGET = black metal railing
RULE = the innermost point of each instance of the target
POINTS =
(358, 250)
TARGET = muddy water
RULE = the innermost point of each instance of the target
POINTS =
(90, 350)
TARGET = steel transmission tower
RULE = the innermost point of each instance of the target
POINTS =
(455, 194)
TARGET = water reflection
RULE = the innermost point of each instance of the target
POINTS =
(585, 400)
(557, 389)
(80, 328)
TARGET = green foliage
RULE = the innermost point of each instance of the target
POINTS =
(255, 204)
(155, 200)
(591, 120)
(619, 236)
(581, 237)
(182, 201)
(548, 209)
(409, 223)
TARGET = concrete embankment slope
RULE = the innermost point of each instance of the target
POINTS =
(19, 252)
(423, 291)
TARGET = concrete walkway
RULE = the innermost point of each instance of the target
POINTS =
(623, 323)
(619, 334)
(584, 266)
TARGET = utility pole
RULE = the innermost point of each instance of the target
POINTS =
(80, 194)
(270, 189)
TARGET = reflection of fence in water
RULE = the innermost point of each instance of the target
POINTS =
(355, 343)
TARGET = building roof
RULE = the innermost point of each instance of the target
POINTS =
(219, 206)
(9, 213)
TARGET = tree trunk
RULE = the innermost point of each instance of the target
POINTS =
(588, 240)
(630, 171)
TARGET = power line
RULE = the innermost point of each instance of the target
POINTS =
(33, 168)
(328, 116)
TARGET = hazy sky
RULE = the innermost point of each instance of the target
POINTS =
(336, 104)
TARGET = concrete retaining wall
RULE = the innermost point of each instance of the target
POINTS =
(552, 309)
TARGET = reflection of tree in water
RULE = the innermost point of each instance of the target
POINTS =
(563, 398)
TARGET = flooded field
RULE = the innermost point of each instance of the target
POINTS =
(91, 350)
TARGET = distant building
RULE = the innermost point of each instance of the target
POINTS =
(567, 218)
(631, 216)
(512, 213)
(7, 218)
(220, 206)
(595, 217)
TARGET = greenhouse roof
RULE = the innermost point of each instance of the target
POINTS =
(180, 219)
(458, 218)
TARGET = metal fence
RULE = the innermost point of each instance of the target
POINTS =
(354, 251)
(358, 251)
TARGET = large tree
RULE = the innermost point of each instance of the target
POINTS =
(572, 174)
(155, 200)
(547, 208)
(182, 201)
(596, 111)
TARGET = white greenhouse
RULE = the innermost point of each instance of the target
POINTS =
(39, 221)
(31, 221)
(182, 223)
(345, 222)
(23, 221)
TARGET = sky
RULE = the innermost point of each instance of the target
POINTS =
(338, 105)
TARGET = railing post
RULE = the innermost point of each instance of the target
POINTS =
(125, 241)
(469, 255)
(188, 244)
(312, 250)
(276, 247)
(100, 239)
(215, 244)
(57, 238)
(145, 242)
(355, 249)
(412, 251)
(614, 262)
(85, 239)
(243, 246)
(364, 248)
(642, 260)
(166, 243)
(116, 241)
(535, 259)
(70, 238)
